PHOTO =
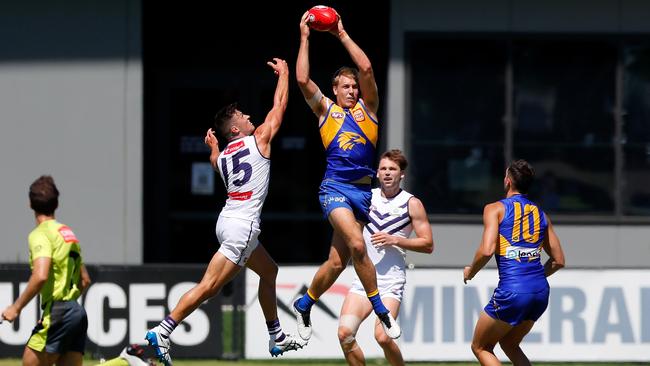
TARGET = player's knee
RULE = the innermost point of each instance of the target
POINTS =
(475, 349)
(348, 326)
(347, 339)
(358, 249)
(346, 335)
(478, 348)
(382, 338)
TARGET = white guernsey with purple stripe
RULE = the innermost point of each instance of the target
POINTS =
(391, 216)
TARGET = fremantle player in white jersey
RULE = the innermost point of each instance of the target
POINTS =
(394, 215)
(244, 167)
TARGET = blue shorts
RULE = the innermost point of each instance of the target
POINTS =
(354, 197)
(514, 308)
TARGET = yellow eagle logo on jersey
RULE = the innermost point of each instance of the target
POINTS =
(347, 140)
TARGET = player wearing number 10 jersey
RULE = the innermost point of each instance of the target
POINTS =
(516, 230)
(244, 166)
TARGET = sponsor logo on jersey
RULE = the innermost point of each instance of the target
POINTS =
(397, 211)
(519, 253)
(67, 234)
(358, 115)
(347, 140)
(338, 115)
(234, 147)
(240, 196)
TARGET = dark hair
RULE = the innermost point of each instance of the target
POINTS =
(521, 174)
(397, 157)
(43, 195)
(223, 118)
(345, 71)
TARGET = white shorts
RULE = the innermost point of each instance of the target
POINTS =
(388, 287)
(238, 238)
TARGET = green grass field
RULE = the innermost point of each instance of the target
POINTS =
(280, 362)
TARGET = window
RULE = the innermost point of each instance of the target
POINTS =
(636, 131)
(457, 106)
(564, 97)
(577, 108)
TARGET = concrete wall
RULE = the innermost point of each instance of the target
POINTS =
(585, 245)
(71, 106)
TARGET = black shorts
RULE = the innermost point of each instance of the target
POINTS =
(62, 328)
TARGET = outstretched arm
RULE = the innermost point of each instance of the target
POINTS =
(423, 241)
(553, 248)
(367, 82)
(488, 245)
(311, 92)
(267, 130)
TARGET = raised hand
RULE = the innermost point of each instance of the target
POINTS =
(279, 67)
(304, 25)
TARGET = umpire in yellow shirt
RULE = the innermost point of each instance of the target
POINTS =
(58, 273)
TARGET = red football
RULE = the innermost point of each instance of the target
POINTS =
(322, 18)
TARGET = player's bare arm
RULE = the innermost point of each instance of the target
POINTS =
(267, 130)
(213, 144)
(553, 248)
(367, 82)
(84, 279)
(423, 241)
(492, 214)
(311, 92)
(37, 279)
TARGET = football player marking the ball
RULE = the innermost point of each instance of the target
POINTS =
(394, 215)
(515, 231)
(349, 130)
(244, 166)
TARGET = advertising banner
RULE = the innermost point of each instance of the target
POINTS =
(592, 315)
(122, 303)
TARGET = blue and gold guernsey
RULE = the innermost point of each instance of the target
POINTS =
(349, 137)
(521, 237)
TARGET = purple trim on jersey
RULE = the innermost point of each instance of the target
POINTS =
(380, 215)
(392, 231)
(400, 227)
(389, 223)
(363, 105)
(321, 123)
(383, 216)
(258, 148)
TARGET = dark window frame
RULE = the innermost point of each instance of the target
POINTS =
(619, 41)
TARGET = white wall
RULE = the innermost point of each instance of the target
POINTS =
(71, 107)
(585, 245)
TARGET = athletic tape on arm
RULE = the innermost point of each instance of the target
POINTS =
(315, 99)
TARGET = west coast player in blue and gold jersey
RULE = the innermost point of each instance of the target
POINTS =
(515, 232)
(348, 129)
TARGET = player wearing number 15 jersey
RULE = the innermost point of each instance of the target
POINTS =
(244, 166)
(516, 230)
